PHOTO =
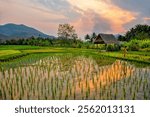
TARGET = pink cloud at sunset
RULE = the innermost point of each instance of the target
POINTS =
(115, 16)
(106, 16)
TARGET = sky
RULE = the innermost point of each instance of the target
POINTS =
(87, 16)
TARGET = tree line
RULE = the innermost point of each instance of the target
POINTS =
(138, 32)
(67, 36)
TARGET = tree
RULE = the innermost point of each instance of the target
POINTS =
(121, 38)
(66, 31)
(93, 36)
(139, 32)
(87, 37)
(1, 41)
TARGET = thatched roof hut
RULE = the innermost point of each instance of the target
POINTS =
(105, 39)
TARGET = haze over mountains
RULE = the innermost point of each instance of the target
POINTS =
(15, 31)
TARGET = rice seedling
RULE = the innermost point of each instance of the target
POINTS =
(74, 77)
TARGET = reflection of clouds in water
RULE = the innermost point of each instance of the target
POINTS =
(84, 68)
(111, 73)
(74, 74)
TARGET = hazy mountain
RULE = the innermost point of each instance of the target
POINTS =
(14, 31)
(3, 36)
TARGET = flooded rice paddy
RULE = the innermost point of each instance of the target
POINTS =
(73, 78)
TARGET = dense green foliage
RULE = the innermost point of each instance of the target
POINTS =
(121, 38)
(136, 45)
(87, 37)
(138, 57)
(90, 37)
(30, 41)
(112, 47)
(36, 43)
(139, 32)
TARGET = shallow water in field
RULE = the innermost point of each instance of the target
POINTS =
(75, 78)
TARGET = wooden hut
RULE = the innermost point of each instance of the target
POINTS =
(105, 39)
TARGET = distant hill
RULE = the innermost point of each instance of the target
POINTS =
(14, 31)
(3, 36)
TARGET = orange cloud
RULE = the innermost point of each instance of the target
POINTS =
(86, 16)
(84, 24)
(146, 18)
(117, 17)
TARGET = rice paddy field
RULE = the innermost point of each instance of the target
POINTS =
(72, 74)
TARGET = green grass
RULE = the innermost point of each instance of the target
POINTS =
(12, 53)
(29, 56)
(18, 47)
(28, 59)
(8, 52)
(143, 57)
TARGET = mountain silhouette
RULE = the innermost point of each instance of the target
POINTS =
(15, 31)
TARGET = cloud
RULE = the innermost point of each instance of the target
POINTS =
(107, 16)
(58, 7)
(140, 7)
(26, 12)
(91, 22)
(146, 20)
(101, 24)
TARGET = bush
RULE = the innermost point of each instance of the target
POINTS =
(102, 46)
(145, 50)
(109, 48)
(79, 46)
(0, 93)
(87, 46)
(133, 45)
(91, 46)
(145, 44)
(136, 45)
(112, 47)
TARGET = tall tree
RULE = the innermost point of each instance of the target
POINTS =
(121, 38)
(93, 36)
(139, 32)
(87, 37)
(66, 31)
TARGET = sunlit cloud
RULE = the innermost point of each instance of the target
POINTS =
(107, 16)
(116, 16)
(146, 18)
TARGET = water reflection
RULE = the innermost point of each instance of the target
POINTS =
(77, 78)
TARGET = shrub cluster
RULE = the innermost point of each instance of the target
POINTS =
(112, 47)
(136, 45)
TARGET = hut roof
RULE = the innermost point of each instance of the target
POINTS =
(106, 38)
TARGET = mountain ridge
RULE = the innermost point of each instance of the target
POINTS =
(15, 31)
